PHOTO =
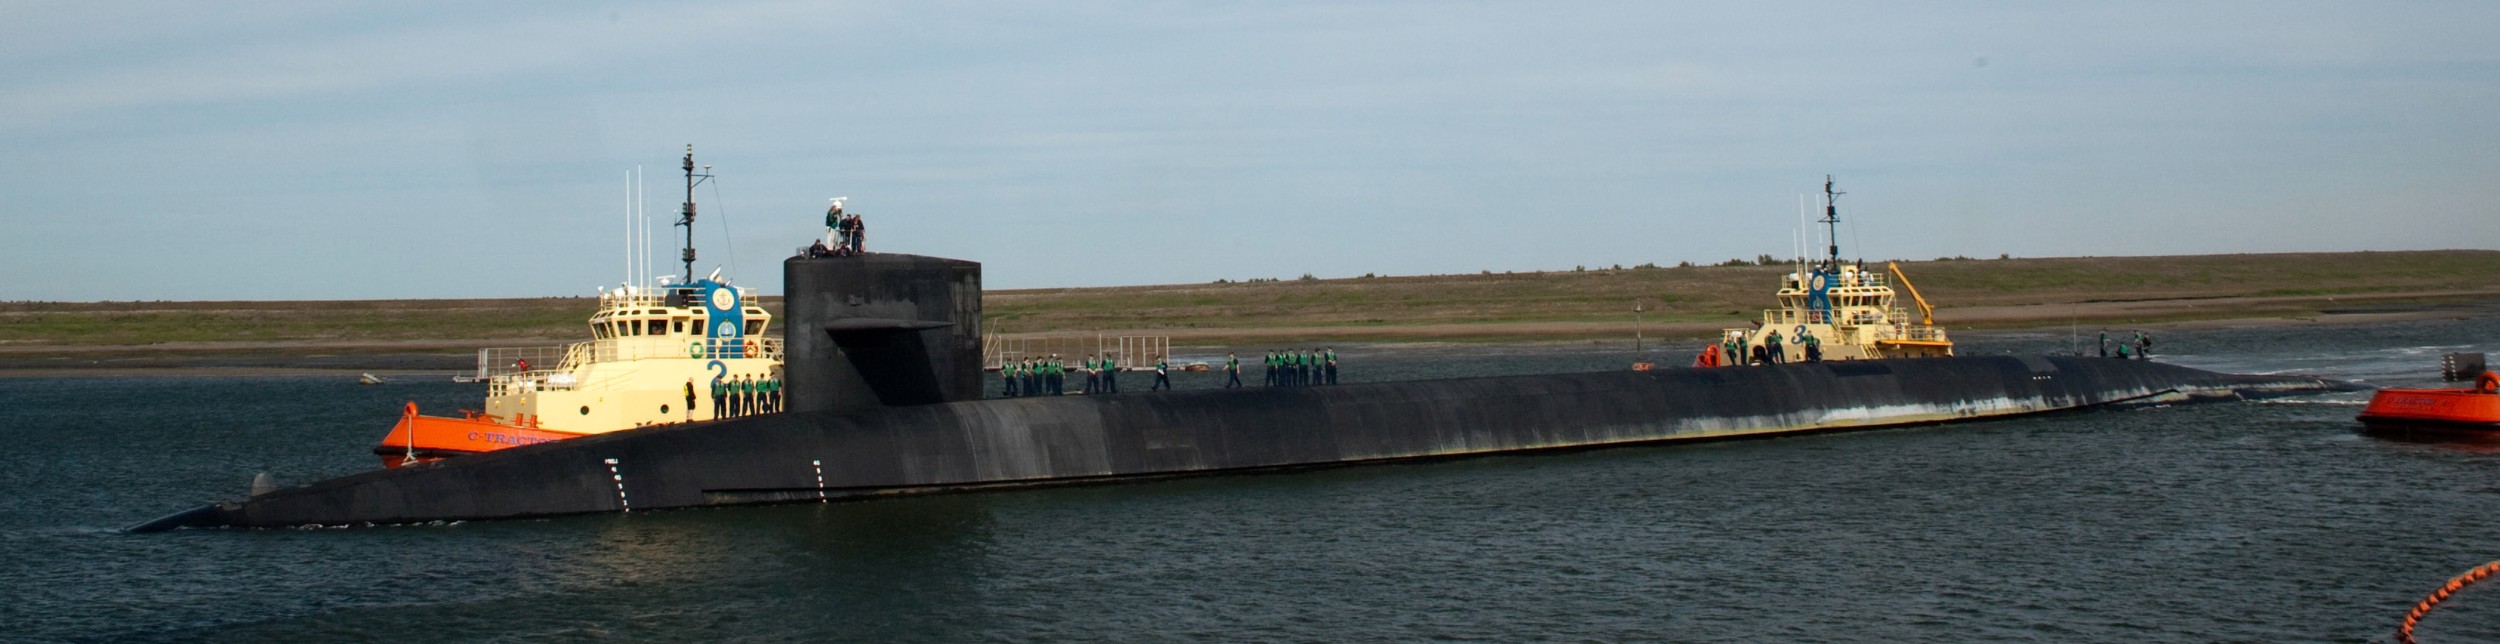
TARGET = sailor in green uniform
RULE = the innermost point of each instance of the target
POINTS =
(1814, 347)
(1328, 360)
(1232, 371)
(1267, 371)
(1771, 345)
(1110, 374)
(746, 396)
(1006, 379)
(1163, 374)
(720, 398)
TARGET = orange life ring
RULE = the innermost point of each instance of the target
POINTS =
(2489, 383)
(751, 349)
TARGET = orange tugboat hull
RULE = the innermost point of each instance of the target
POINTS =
(2475, 409)
(429, 438)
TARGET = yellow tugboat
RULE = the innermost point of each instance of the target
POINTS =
(1833, 310)
(650, 345)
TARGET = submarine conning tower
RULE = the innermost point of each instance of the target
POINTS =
(881, 330)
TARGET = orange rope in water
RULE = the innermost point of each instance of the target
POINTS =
(2405, 633)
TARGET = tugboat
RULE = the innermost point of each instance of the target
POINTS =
(1835, 310)
(2471, 409)
(649, 344)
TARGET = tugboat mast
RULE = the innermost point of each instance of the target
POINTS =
(1831, 224)
(685, 216)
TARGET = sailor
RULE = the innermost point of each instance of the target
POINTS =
(772, 393)
(859, 234)
(2104, 343)
(1058, 376)
(2143, 346)
(1007, 380)
(1093, 375)
(2122, 353)
(1297, 369)
(1329, 356)
(746, 395)
(1110, 374)
(1814, 348)
(1024, 378)
(720, 398)
(1232, 371)
(1163, 374)
(837, 225)
(1772, 347)
(689, 400)
(1267, 370)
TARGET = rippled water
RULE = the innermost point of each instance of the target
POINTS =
(2243, 522)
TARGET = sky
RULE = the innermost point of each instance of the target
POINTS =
(328, 150)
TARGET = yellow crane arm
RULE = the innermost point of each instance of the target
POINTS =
(1926, 314)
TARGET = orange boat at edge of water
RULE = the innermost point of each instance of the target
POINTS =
(429, 438)
(2477, 408)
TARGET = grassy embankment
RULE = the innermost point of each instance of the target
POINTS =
(1500, 306)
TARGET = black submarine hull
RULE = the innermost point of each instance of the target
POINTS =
(966, 445)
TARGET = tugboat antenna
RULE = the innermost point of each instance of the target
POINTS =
(1831, 222)
(685, 216)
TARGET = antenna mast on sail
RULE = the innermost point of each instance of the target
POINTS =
(1831, 223)
(685, 216)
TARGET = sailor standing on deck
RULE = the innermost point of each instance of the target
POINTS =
(1163, 374)
(689, 400)
(1814, 348)
(1110, 374)
(1093, 376)
(1329, 357)
(1007, 380)
(837, 227)
(1772, 347)
(1232, 371)
(1267, 370)
(1058, 375)
(720, 398)
(2143, 346)
(859, 234)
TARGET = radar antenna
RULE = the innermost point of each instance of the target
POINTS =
(685, 216)
(1831, 223)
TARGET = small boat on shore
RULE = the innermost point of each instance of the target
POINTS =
(2475, 408)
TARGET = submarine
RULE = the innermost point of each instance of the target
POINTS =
(884, 398)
